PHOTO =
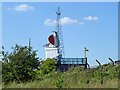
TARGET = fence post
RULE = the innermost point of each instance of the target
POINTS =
(111, 61)
(88, 66)
(100, 71)
(98, 63)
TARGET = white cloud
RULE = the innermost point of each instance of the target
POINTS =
(68, 20)
(81, 23)
(22, 7)
(90, 18)
(65, 20)
(49, 22)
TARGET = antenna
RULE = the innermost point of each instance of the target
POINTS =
(60, 37)
(29, 45)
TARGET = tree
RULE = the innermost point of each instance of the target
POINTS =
(19, 65)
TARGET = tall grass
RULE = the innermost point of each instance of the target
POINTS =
(73, 78)
(69, 82)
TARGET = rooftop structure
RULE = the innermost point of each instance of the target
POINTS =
(51, 52)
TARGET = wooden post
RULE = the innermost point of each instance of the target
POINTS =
(85, 52)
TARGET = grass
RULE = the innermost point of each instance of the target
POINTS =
(73, 78)
(70, 81)
(49, 83)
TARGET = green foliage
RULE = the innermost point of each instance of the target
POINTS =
(58, 83)
(46, 69)
(47, 66)
(106, 72)
(19, 65)
(76, 78)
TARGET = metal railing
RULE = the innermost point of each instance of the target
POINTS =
(73, 61)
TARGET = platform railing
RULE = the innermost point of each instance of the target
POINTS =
(73, 61)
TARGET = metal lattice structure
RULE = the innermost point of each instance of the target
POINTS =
(60, 36)
(61, 60)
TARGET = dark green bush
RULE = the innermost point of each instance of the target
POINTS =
(19, 65)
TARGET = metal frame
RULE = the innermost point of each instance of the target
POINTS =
(73, 60)
(60, 37)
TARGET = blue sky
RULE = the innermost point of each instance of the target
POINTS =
(94, 25)
(60, 0)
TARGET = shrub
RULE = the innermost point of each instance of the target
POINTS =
(47, 66)
(19, 65)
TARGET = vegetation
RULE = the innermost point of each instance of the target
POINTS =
(58, 83)
(19, 65)
(21, 70)
(47, 66)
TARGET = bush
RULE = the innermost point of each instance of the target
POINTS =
(46, 69)
(19, 65)
(47, 66)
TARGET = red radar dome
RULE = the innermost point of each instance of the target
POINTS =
(51, 39)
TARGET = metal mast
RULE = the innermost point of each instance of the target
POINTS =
(60, 37)
(29, 45)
